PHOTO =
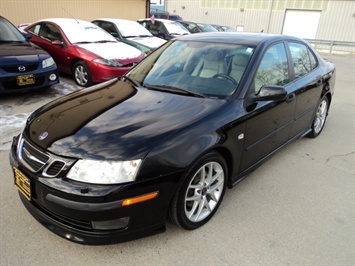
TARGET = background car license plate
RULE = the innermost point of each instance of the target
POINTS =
(25, 80)
(22, 183)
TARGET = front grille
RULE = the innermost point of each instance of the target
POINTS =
(37, 161)
(15, 69)
(54, 168)
(34, 158)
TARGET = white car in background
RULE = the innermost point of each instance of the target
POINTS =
(130, 32)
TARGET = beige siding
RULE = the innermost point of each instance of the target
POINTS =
(337, 21)
(23, 11)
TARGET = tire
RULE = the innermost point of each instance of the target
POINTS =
(82, 74)
(200, 193)
(320, 118)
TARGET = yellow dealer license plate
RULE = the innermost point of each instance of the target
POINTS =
(22, 183)
(25, 80)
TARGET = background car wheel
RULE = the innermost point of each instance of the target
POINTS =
(200, 193)
(82, 75)
(320, 117)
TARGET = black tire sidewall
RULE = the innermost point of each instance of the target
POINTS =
(177, 208)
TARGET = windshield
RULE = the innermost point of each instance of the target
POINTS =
(204, 68)
(9, 33)
(175, 28)
(83, 32)
(132, 29)
(206, 27)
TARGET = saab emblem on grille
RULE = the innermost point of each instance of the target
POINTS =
(21, 68)
(43, 135)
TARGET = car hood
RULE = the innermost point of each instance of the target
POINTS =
(152, 42)
(114, 50)
(118, 122)
(20, 53)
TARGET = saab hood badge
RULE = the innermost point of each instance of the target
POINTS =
(43, 135)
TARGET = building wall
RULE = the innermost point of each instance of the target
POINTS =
(25, 11)
(337, 21)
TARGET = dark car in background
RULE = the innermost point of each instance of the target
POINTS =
(166, 15)
(130, 32)
(84, 50)
(23, 66)
(109, 163)
(223, 28)
(197, 27)
(164, 28)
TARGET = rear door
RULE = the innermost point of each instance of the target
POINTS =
(308, 78)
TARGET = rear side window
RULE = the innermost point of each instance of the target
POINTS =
(303, 60)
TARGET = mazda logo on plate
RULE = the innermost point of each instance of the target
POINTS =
(21, 68)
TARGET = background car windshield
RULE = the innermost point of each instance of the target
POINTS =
(8, 33)
(85, 32)
(175, 27)
(132, 29)
(206, 27)
(211, 69)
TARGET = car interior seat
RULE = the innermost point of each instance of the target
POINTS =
(210, 64)
(238, 65)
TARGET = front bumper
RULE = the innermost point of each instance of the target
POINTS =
(8, 82)
(93, 214)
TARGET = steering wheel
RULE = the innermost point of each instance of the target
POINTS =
(225, 77)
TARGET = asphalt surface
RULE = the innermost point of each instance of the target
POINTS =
(296, 209)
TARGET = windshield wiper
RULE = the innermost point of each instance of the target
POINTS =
(174, 89)
(84, 42)
(11, 41)
(131, 80)
(104, 41)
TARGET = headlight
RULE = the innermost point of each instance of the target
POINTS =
(104, 172)
(48, 62)
(107, 62)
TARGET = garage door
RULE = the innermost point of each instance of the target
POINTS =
(301, 23)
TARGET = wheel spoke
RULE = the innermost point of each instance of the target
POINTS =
(190, 213)
(201, 205)
(204, 192)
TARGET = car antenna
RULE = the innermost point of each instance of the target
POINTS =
(70, 15)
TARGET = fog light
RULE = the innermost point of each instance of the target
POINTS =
(111, 224)
(53, 77)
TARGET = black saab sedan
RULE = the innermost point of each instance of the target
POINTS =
(109, 163)
(23, 66)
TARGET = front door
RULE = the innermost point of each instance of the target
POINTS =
(269, 122)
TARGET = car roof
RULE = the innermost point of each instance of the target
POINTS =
(159, 19)
(116, 20)
(245, 38)
(188, 21)
(64, 22)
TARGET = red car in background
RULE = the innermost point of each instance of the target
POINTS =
(83, 49)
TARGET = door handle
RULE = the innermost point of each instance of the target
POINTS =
(291, 97)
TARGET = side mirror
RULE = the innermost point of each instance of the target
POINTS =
(57, 43)
(271, 93)
(27, 35)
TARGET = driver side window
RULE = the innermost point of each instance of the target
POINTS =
(273, 68)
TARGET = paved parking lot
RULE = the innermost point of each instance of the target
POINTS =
(297, 208)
